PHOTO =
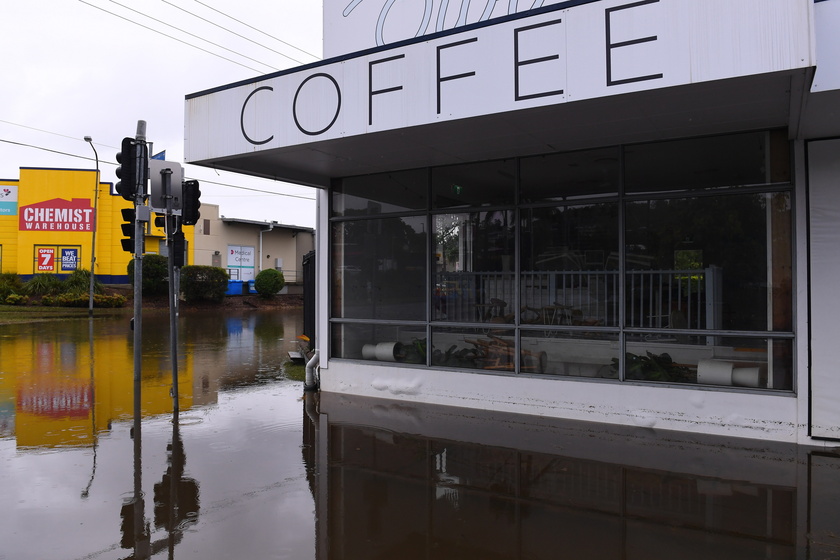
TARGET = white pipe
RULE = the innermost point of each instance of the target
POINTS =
(262, 231)
(311, 384)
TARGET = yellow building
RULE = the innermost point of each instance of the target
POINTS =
(47, 224)
(63, 392)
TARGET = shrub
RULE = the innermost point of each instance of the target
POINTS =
(16, 299)
(114, 300)
(79, 283)
(83, 300)
(10, 284)
(155, 275)
(208, 283)
(42, 285)
(268, 282)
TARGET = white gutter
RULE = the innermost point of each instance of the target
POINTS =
(262, 231)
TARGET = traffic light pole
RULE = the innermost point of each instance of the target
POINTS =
(171, 225)
(137, 155)
(139, 235)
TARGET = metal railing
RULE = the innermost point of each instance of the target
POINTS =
(677, 299)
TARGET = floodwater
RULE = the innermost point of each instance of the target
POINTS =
(252, 467)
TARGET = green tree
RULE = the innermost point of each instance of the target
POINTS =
(155, 275)
(268, 282)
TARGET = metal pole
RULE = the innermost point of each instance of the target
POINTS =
(170, 225)
(89, 140)
(138, 282)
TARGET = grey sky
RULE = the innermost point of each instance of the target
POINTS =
(67, 73)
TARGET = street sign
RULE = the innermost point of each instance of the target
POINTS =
(157, 198)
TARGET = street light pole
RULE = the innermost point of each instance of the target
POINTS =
(89, 140)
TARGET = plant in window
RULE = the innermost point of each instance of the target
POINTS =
(654, 367)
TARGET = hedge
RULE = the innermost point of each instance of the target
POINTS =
(208, 283)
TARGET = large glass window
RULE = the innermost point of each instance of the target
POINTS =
(708, 262)
(368, 195)
(669, 262)
(381, 268)
(474, 184)
(569, 264)
(474, 276)
(737, 160)
(571, 175)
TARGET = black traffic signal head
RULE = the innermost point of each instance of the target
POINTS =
(129, 216)
(133, 158)
(190, 203)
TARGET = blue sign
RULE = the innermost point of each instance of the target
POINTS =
(8, 200)
(69, 259)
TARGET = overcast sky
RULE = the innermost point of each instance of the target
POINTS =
(76, 68)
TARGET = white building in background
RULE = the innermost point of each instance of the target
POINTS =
(607, 210)
(246, 247)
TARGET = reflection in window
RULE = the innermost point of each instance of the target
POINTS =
(753, 158)
(399, 191)
(380, 269)
(474, 276)
(404, 344)
(474, 184)
(570, 175)
(764, 363)
(630, 263)
(590, 354)
(710, 262)
(569, 265)
(474, 348)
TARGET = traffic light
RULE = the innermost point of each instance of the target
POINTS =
(179, 248)
(190, 203)
(133, 158)
(160, 222)
(129, 217)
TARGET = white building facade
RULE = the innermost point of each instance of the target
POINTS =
(602, 210)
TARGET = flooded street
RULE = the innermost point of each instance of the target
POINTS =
(252, 468)
(68, 461)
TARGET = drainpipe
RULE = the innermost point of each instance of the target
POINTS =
(311, 384)
(262, 231)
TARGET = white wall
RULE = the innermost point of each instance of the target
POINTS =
(824, 234)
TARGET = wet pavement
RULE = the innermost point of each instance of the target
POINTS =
(251, 467)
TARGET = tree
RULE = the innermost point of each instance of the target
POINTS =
(268, 282)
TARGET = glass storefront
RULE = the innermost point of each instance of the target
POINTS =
(668, 262)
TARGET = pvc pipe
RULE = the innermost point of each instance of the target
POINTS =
(311, 384)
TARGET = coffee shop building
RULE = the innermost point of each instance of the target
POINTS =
(614, 211)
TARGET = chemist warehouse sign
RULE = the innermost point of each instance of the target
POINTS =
(57, 215)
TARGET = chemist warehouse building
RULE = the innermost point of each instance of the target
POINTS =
(615, 211)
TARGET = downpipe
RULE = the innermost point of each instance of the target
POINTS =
(311, 383)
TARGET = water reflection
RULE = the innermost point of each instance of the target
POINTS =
(403, 481)
(250, 468)
(176, 502)
(81, 477)
(57, 389)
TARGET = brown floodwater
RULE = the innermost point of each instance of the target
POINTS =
(252, 467)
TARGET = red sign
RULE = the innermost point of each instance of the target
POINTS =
(46, 259)
(62, 401)
(57, 215)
